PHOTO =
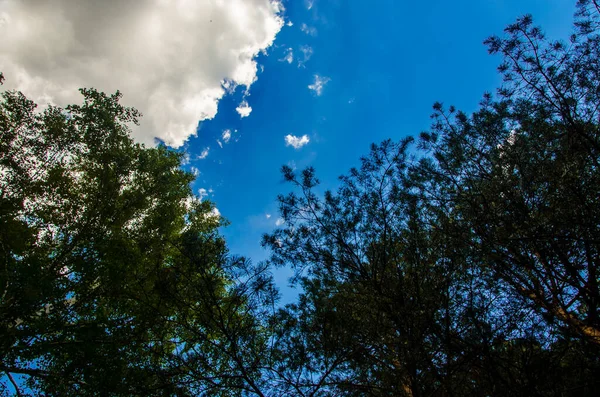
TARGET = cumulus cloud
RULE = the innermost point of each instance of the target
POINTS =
(173, 60)
(279, 222)
(244, 109)
(319, 83)
(309, 30)
(268, 216)
(295, 141)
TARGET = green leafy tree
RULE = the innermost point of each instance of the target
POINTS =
(113, 278)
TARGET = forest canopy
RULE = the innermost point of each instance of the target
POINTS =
(462, 261)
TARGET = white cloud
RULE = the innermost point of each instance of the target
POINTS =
(204, 153)
(195, 171)
(289, 56)
(173, 60)
(202, 193)
(296, 141)
(290, 23)
(309, 30)
(244, 109)
(229, 86)
(309, 3)
(226, 136)
(268, 216)
(307, 51)
(319, 84)
(279, 222)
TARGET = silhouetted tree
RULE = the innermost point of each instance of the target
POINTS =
(470, 268)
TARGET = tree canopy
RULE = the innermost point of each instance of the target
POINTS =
(466, 264)
(464, 261)
(114, 278)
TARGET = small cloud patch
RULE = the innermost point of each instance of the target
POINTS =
(204, 153)
(307, 53)
(295, 141)
(202, 192)
(309, 30)
(244, 109)
(289, 56)
(226, 136)
(318, 84)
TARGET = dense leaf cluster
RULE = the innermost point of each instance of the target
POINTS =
(114, 279)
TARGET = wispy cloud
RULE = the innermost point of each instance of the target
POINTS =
(279, 222)
(309, 30)
(289, 56)
(307, 53)
(202, 192)
(296, 141)
(226, 136)
(318, 84)
(204, 153)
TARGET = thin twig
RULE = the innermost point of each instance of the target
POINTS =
(12, 380)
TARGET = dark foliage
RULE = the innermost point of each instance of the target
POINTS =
(470, 266)
(464, 262)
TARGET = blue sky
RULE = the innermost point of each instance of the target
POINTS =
(386, 63)
(375, 69)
